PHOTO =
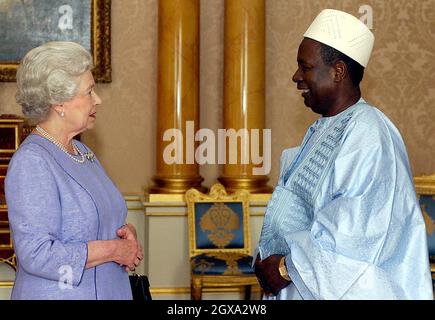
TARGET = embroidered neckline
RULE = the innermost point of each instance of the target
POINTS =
(309, 174)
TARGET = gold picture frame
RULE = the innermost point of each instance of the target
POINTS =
(96, 35)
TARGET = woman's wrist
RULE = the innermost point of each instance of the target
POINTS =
(101, 251)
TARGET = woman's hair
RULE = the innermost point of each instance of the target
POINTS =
(48, 75)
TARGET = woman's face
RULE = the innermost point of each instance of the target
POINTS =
(81, 111)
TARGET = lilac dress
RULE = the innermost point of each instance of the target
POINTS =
(55, 206)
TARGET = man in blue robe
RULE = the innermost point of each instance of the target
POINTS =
(344, 221)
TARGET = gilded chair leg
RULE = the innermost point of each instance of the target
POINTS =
(247, 292)
(196, 289)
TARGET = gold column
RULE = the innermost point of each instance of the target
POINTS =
(244, 87)
(178, 94)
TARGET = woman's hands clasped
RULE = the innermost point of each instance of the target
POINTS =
(130, 252)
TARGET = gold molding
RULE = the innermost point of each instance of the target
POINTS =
(129, 197)
(425, 185)
(161, 199)
(165, 197)
(253, 184)
(101, 40)
(259, 198)
(135, 208)
(164, 205)
(134, 198)
(17, 136)
(258, 214)
(184, 214)
(166, 214)
(186, 290)
(6, 284)
(175, 186)
(11, 120)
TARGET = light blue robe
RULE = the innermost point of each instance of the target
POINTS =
(345, 213)
(55, 206)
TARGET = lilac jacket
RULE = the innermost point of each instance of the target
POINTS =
(55, 206)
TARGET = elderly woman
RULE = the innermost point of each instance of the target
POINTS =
(66, 215)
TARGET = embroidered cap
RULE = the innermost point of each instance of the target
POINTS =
(343, 32)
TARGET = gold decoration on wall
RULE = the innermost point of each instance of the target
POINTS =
(101, 40)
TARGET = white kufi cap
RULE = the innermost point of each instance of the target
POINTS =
(343, 32)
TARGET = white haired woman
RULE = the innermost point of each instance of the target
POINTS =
(66, 215)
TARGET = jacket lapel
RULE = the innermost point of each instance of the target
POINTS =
(71, 167)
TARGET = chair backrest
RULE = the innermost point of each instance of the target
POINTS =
(425, 188)
(218, 222)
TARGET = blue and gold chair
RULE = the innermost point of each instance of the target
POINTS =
(425, 188)
(219, 240)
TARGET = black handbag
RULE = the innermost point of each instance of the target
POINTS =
(140, 287)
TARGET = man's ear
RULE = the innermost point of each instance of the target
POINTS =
(340, 69)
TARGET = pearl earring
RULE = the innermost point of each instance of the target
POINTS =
(62, 114)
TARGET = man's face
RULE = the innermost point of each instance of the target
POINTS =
(314, 78)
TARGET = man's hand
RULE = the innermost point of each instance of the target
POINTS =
(267, 272)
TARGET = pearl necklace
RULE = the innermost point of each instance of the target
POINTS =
(46, 135)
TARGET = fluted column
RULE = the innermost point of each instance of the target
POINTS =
(178, 96)
(244, 89)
